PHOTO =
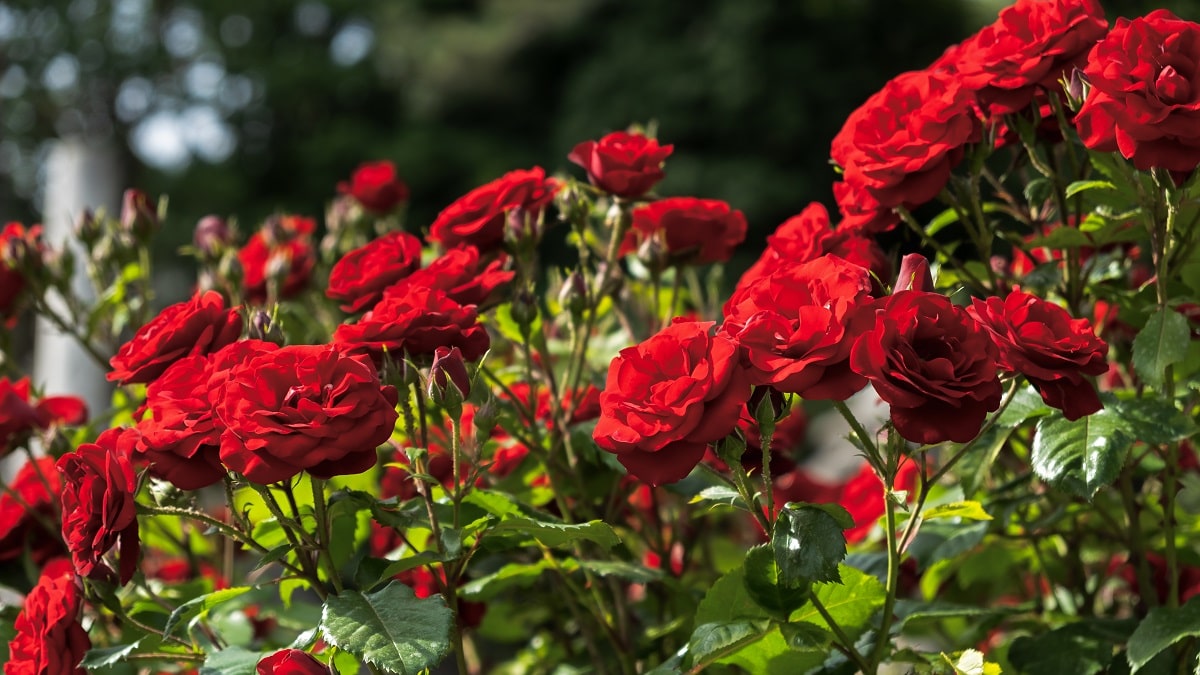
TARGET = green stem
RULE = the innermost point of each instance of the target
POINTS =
(868, 443)
(323, 532)
(841, 635)
(892, 586)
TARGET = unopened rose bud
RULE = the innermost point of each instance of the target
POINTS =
(914, 274)
(524, 310)
(486, 417)
(87, 228)
(574, 294)
(653, 253)
(260, 325)
(1077, 88)
(138, 215)
(449, 382)
(211, 236)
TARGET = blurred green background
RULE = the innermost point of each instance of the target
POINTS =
(236, 107)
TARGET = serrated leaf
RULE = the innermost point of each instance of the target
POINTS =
(727, 599)
(851, 603)
(558, 534)
(720, 494)
(1163, 627)
(711, 641)
(767, 587)
(1080, 456)
(107, 656)
(373, 571)
(1085, 185)
(1162, 342)
(512, 575)
(915, 611)
(1026, 404)
(197, 607)
(1074, 648)
(809, 541)
(1150, 419)
(622, 570)
(232, 661)
(969, 510)
(389, 628)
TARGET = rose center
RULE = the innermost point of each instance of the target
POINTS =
(296, 394)
(1172, 87)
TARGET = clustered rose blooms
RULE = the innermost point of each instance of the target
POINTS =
(201, 325)
(361, 276)
(694, 231)
(291, 662)
(463, 274)
(29, 515)
(622, 164)
(99, 510)
(49, 638)
(376, 187)
(20, 415)
(480, 217)
(282, 251)
(416, 323)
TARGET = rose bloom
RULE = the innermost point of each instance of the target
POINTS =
(1143, 99)
(932, 363)
(479, 217)
(359, 279)
(1041, 341)
(15, 240)
(300, 408)
(695, 231)
(900, 146)
(19, 526)
(463, 275)
(281, 249)
(376, 187)
(667, 398)
(49, 638)
(99, 510)
(201, 325)
(622, 164)
(862, 212)
(181, 438)
(1027, 50)
(20, 415)
(416, 324)
(797, 326)
(291, 662)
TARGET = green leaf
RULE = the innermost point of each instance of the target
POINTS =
(389, 628)
(622, 570)
(1081, 456)
(1150, 419)
(373, 571)
(198, 607)
(558, 534)
(1074, 648)
(915, 611)
(108, 656)
(809, 541)
(766, 585)
(512, 575)
(1161, 628)
(711, 641)
(727, 599)
(1163, 341)
(720, 494)
(232, 661)
(1026, 403)
(1062, 237)
(851, 603)
(1085, 185)
(969, 510)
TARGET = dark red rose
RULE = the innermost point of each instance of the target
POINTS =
(861, 211)
(1041, 341)
(359, 279)
(479, 217)
(1026, 51)
(201, 325)
(180, 438)
(462, 275)
(291, 662)
(900, 146)
(50, 640)
(416, 324)
(99, 511)
(26, 522)
(1144, 99)
(932, 363)
(281, 250)
(695, 231)
(667, 398)
(622, 164)
(304, 408)
(798, 324)
(376, 187)
(17, 243)
(914, 274)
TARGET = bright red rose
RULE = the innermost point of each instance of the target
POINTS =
(667, 398)
(1027, 50)
(416, 324)
(282, 250)
(932, 363)
(99, 511)
(201, 325)
(1041, 341)
(25, 522)
(695, 231)
(16, 242)
(359, 279)
(797, 326)
(861, 211)
(863, 497)
(462, 275)
(291, 662)
(308, 408)
(376, 187)
(1143, 100)
(50, 639)
(479, 217)
(622, 164)
(20, 416)
(900, 146)
(181, 439)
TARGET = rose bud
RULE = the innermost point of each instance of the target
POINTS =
(574, 294)
(87, 228)
(1077, 89)
(449, 381)
(260, 325)
(138, 216)
(914, 274)
(291, 662)
(211, 236)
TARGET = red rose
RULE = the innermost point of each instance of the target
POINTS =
(461, 274)
(932, 363)
(304, 408)
(50, 639)
(359, 279)
(695, 231)
(667, 398)
(900, 146)
(282, 250)
(479, 217)
(291, 662)
(16, 242)
(416, 324)
(622, 164)
(20, 416)
(1041, 341)
(797, 326)
(201, 325)
(25, 522)
(376, 187)
(99, 511)
(1026, 51)
(181, 439)
(861, 211)
(1143, 99)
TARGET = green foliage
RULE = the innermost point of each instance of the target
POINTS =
(809, 543)
(1080, 456)
(1161, 343)
(389, 628)
(1163, 627)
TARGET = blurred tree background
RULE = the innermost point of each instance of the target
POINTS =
(245, 108)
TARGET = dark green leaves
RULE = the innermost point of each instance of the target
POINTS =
(1162, 342)
(1081, 456)
(389, 628)
(768, 588)
(1161, 628)
(808, 542)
